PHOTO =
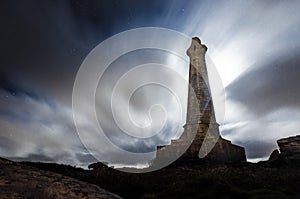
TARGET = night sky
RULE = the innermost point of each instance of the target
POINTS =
(255, 46)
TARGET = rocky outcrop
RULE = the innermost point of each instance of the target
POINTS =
(289, 152)
(274, 155)
(289, 146)
(21, 181)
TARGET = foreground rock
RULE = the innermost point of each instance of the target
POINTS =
(213, 181)
(21, 181)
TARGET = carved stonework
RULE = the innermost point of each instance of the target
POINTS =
(200, 118)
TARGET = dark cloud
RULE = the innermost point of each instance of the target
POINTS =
(269, 85)
(8, 145)
(35, 158)
(15, 89)
(34, 125)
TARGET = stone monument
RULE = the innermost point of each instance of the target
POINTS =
(200, 121)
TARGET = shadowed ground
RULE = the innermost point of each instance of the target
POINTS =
(21, 181)
(227, 181)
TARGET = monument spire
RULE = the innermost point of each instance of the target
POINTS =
(201, 130)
